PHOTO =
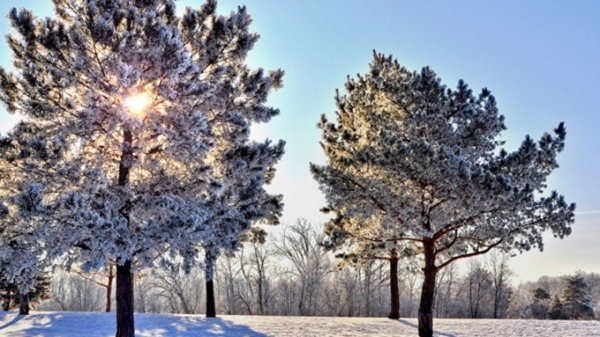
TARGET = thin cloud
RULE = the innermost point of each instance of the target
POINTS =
(588, 211)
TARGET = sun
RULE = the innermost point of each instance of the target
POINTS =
(137, 103)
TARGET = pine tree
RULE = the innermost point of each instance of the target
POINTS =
(241, 204)
(412, 162)
(12, 294)
(130, 110)
(22, 277)
(576, 298)
(540, 294)
(556, 311)
(539, 308)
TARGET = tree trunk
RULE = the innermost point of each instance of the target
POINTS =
(497, 295)
(395, 296)
(6, 304)
(125, 322)
(209, 269)
(210, 299)
(109, 288)
(368, 290)
(427, 291)
(260, 296)
(496, 302)
(24, 305)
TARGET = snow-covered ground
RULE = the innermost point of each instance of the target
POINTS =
(66, 324)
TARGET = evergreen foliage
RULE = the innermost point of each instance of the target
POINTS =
(540, 294)
(135, 143)
(9, 291)
(556, 310)
(576, 298)
(416, 164)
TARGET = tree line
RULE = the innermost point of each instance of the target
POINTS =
(272, 279)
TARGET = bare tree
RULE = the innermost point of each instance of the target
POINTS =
(97, 276)
(181, 291)
(479, 282)
(71, 292)
(227, 273)
(445, 286)
(309, 263)
(253, 267)
(501, 273)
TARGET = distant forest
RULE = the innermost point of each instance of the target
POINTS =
(291, 274)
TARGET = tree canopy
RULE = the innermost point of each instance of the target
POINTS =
(135, 141)
(413, 162)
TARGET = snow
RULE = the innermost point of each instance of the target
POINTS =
(68, 324)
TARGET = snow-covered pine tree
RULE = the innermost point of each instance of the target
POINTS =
(557, 310)
(11, 296)
(412, 161)
(129, 103)
(21, 271)
(22, 277)
(242, 203)
(538, 309)
(22, 262)
(576, 299)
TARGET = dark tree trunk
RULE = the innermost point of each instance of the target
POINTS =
(24, 305)
(125, 322)
(209, 269)
(260, 296)
(428, 291)
(395, 296)
(109, 288)
(210, 299)
(6, 304)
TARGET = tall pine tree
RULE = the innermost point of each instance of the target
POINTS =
(132, 108)
(412, 162)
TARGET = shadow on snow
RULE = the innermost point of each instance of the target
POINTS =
(13, 321)
(435, 333)
(92, 324)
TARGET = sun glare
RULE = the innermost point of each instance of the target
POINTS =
(137, 104)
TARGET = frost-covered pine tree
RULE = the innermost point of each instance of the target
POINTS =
(556, 309)
(576, 299)
(22, 261)
(131, 107)
(412, 161)
(242, 203)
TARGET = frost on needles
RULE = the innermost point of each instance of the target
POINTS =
(91, 178)
(417, 168)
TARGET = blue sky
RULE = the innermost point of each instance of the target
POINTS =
(540, 59)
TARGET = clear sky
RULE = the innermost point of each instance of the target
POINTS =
(540, 59)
